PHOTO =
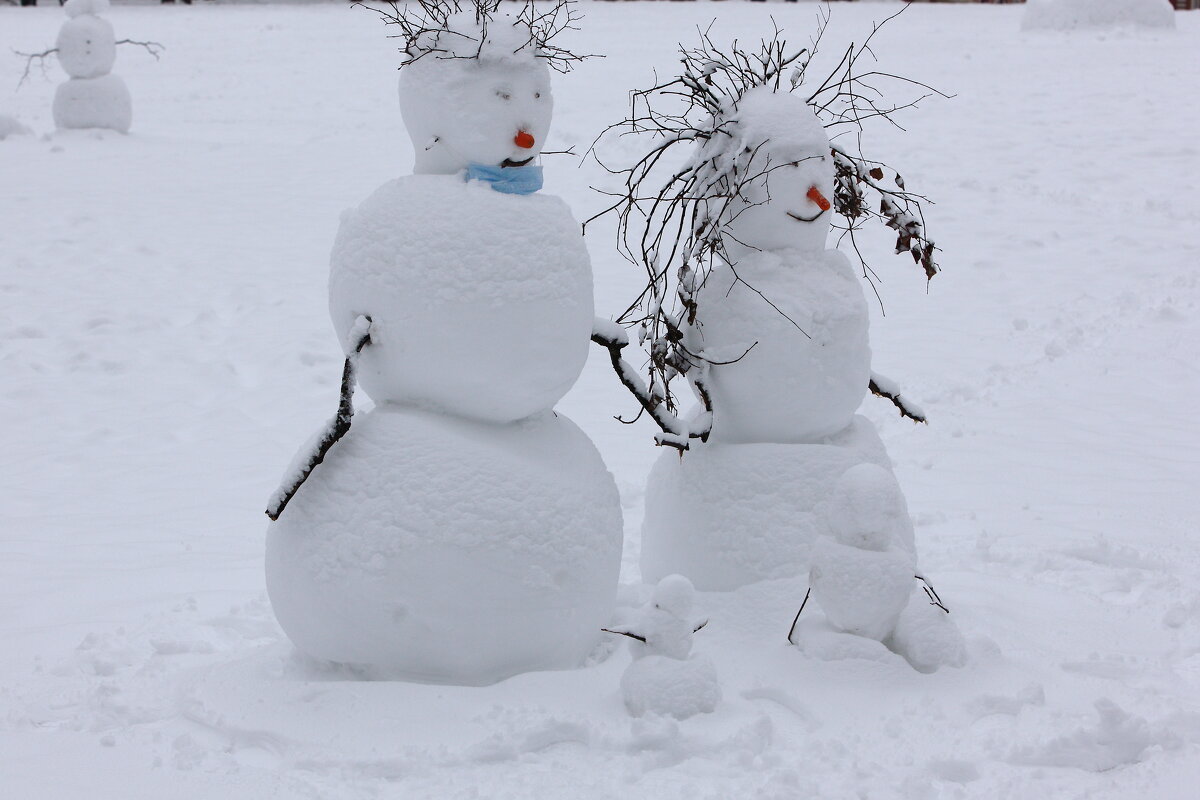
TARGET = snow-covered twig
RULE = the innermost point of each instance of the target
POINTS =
(888, 389)
(675, 433)
(931, 593)
(641, 639)
(337, 427)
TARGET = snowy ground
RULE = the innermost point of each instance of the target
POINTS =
(164, 346)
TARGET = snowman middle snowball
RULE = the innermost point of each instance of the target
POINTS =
(463, 531)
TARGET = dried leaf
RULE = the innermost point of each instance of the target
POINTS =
(876, 173)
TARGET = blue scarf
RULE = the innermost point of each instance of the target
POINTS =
(510, 180)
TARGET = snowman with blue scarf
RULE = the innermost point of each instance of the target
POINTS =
(461, 531)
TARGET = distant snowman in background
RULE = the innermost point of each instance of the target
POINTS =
(1065, 15)
(462, 531)
(665, 677)
(93, 97)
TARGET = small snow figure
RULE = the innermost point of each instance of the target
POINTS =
(87, 49)
(664, 677)
(862, 577)
(461, 531)
(1066, 15)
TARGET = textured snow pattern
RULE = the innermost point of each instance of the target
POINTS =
(102, 102)
(795, 325)
(670, 686)
(730, 514)
(440, 549)
(861, 591)
(480, 302)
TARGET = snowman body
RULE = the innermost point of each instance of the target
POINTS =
(92, 97)
(785, 328)
(463, 531)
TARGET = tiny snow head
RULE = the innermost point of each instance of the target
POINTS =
(75, 8)
(866, 508)
(675, 595)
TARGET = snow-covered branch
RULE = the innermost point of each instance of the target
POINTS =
(888, 389)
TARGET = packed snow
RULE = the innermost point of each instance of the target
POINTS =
(166, 345)
(87, 49)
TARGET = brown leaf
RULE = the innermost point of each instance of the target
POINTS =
(876, 173)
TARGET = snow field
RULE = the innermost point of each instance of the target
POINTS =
(166, 347)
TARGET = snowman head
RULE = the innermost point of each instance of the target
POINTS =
(866, 508)
(675, 595)
(787, 200)
(475, 85)
(86, 45)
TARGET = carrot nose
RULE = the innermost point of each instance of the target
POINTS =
(815, 195)
(523, 139)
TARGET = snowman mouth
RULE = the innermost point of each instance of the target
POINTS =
(799, 218)
(508, 162)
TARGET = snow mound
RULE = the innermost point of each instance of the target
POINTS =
(727, 515)
(480, 302)
(11, 126)
(1118, 738)
(670, 686)
(1066, 15)
(927, 637)
(861, 591)
(450, 551)
(102, 102)
(794, 324)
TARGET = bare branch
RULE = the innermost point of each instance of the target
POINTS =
(30, 58)
(153, 48)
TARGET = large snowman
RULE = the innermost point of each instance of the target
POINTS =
(92, 97)
(782, 322)
(462, 531)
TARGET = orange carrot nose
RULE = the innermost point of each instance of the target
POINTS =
(523, 139)
(815, 195)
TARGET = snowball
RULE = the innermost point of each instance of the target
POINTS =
(861, 591)
(793, 157)
(927, 637)
(481, 302)
(77, 8)
(730, 514)
(87, 47)
(1064, 15)
(824, 644)
(867, 509)
(437, 549)
(11, 126)
(675, 595)
(794, 325)
(102, 102)
(467, 110)
(671, 687)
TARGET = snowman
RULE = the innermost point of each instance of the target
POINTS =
(860, 576)
(782, 326)
(93, 97)
(664, 676)
(462, 531)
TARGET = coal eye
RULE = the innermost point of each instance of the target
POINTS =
(537, 95)
(503, 95)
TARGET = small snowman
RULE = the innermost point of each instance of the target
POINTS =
(664, 677)
(862, 576)
(461, 531)
(93, 97)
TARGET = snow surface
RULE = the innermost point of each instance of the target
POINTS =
(166, 347)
